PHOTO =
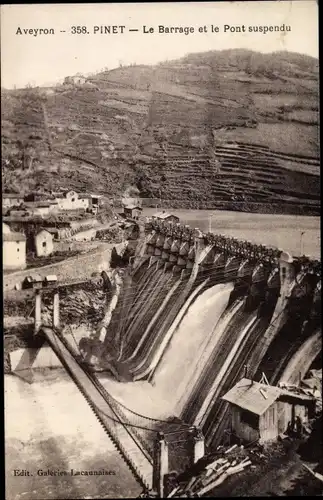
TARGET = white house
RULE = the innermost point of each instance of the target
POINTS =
(73, 201)
(44, 243)
(14, 251)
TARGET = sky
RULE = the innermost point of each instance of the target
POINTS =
(47, 59)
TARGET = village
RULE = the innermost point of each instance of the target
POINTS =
(40, 229)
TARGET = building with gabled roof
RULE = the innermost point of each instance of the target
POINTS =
(261, 412)
(14, 251)
(132, 211)
(44, 243)
(166, 216)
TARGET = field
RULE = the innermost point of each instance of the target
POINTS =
(216, 128)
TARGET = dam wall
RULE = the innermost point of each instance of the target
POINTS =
(196, 310)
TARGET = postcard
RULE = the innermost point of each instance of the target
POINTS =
(161, 250)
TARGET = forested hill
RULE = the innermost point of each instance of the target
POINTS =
(230, 129)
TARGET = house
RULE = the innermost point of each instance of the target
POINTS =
(44, 243)
(72, 201)
(96, 201)
(260, 412)
(35, 281)
(166, 216)
(77, 79)
(132, 211)
(14, 251)
(11, 200)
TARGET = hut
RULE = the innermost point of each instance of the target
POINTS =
(260, 412)
(132, 211)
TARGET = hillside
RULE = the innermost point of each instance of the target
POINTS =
(232, 129)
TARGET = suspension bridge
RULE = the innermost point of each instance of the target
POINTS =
(134, 435)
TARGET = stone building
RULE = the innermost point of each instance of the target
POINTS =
(44, 243)
(132, 211)
(14, 251)
(73, 201)
(166, 216)
(77, 79)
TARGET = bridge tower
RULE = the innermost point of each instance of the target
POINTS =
(37, 317)
(38, 310)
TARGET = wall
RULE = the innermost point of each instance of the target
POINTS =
(75, 268)
(243, 431)
(69, 246)
(87, 235)
(14, 255)
(72, 202)
(84, 223)
(268, 424)
(300, 363)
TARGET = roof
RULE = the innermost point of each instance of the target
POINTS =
(43, 230)
(41, 204)
(33, 278)
(296, 392)
(51, 277)
(257, 398)
(84, 196)
(311, 383)
(132, 207)
(316, 374)
(13, 237)
(252, 396)
(164, 215)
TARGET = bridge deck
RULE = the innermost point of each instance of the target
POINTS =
(124, 438)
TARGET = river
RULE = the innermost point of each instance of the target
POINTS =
(49, 425)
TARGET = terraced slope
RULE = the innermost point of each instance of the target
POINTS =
(233, 128)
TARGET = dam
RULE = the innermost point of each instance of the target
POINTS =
(186, 318)
(194, 312)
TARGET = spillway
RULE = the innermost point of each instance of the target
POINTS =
(194, 309)
(187, 339)
(225, 339)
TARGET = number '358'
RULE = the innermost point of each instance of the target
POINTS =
(79, 30)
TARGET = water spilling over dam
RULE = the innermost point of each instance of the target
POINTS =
(194, 312)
